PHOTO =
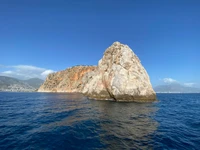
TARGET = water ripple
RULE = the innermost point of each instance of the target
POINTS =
(71, 121)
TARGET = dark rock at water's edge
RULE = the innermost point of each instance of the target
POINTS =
(119, 76)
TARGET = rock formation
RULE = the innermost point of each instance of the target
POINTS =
(119, 76)
(69, 80)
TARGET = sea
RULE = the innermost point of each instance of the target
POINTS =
(60, 121)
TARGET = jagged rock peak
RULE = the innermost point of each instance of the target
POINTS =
(119, 76)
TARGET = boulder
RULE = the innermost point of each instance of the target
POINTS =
(119, 76)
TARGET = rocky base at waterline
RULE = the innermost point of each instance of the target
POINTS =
(119, 76)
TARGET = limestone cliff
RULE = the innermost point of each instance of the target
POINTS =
(69, 80)
(119, 76)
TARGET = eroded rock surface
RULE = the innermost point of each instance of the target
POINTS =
(119, 76)
(69, 80)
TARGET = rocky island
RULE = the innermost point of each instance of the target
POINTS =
(118, 76)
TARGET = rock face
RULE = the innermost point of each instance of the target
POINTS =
(119, 76)
(69, 80)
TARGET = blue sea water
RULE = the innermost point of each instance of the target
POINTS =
(71, 121)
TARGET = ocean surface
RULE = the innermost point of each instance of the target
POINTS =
(70, 121)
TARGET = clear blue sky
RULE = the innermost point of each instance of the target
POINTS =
(56, 34)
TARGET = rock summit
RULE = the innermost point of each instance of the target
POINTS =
(119, 76)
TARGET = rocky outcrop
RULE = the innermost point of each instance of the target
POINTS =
(69, 80)
(119, 76)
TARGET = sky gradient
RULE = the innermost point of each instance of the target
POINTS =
(52, 35)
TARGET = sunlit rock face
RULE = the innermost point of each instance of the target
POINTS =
(119, 76)
(69, 80)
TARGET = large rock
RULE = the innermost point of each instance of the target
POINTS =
(69, 80)
(119, 76)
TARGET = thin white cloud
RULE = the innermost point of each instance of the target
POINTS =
(8, 72)
(190, 84)
(169, 80)
(186, 84)
(46, 72)
(25, 71)
(27, 67)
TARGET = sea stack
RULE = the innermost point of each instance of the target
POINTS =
(119, 76)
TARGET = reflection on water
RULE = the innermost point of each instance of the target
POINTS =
(71, 121)
(120, 125)
(127, 125)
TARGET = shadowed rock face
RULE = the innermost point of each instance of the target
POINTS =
(69, 80)
(119, 76)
